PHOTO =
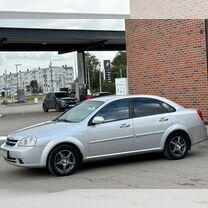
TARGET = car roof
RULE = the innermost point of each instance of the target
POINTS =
(117, 97)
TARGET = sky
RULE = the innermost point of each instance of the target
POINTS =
(30, 60)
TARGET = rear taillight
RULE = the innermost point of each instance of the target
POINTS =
(200, 115)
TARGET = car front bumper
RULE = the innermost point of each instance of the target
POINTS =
(22, 156)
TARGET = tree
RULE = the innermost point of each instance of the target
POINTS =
(108, 87)
(92, 65)
(28, 88)
(119, 66)
(34, 86)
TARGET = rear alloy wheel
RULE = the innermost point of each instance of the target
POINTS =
(44, 108)
(63, 160)
(176, 147)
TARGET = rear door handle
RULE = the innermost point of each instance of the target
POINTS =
(163, 119)
(124, 126)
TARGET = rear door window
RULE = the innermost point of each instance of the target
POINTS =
(146, 107)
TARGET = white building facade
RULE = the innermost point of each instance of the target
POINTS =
(49, 79)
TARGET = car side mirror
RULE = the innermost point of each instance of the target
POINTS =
(98, 120)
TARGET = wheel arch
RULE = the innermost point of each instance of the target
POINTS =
(174, 130)
(66, 143)
(50, 147)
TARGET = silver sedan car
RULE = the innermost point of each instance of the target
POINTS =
(106, 127)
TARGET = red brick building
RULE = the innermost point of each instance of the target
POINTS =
(169, 58)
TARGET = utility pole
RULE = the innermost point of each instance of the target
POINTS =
(5, 78)
(100, 80)
(50, 66)
(17, 75)
(121, 73)
(6, 90)
(89, 83)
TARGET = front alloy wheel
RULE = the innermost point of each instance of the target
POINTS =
(63, 160)
(176, 146)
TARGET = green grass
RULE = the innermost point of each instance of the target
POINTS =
(32, 97)
(28, 99)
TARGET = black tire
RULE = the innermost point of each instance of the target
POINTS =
(44, 108)
(63, 160)
(58, 109)
(176, 146)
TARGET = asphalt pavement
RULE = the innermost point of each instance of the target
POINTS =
(149, 171)
(20, 116)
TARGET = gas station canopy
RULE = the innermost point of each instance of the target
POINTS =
(61, 40)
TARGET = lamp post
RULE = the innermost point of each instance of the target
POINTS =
(17, 75)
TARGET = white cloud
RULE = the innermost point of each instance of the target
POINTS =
(42, 59)
(30, 60)
(33, 60)
(96, 24)
(111, 6)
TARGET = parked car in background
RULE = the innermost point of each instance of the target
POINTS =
(106, 127)
(59, 101)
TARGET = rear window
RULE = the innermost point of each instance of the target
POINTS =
(146, 107)
(62, 95)
(169, 108)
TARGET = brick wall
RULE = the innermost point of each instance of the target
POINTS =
(168, 58)
(168, 9)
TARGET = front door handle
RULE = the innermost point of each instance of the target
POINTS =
(163, 119)
(124, 126)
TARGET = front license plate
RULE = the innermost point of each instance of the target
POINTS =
(3, 153)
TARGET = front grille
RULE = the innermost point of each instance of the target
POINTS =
(11, 142)
(72, 103)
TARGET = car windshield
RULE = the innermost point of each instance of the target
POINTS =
(80, 112)
(62, 95)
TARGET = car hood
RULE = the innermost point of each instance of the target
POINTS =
(46, 129)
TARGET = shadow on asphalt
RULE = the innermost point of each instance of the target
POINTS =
(89, 166)
(99, 164)
(109, 162)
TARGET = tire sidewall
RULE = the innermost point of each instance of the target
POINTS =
(50, 162)
(167, 151)
(45, 109)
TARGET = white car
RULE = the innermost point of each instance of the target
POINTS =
(106, 127)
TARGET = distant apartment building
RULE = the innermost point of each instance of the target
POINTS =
(49, 79)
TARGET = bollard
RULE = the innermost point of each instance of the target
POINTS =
(36, 100)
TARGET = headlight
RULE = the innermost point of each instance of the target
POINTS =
(28, 142)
